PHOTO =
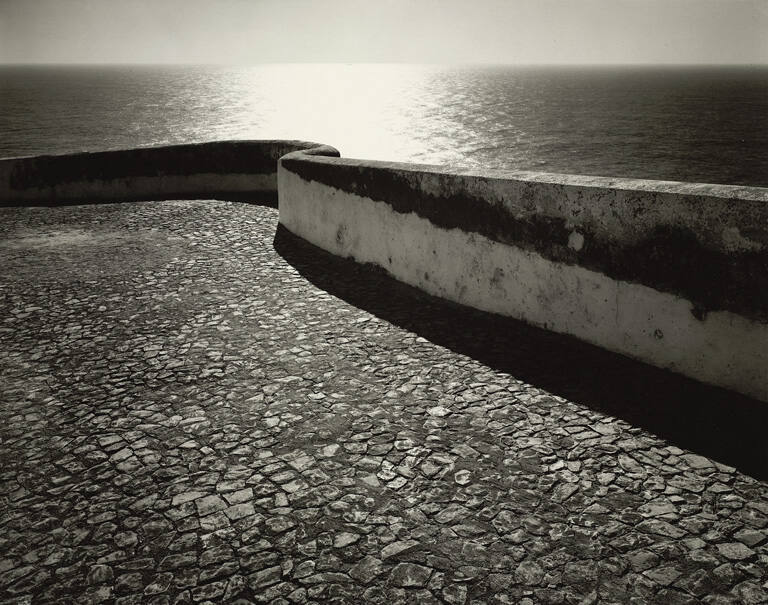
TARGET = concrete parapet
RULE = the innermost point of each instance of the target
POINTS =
(231, 169)
(673, 274)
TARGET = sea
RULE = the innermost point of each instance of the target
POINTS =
(700, 124)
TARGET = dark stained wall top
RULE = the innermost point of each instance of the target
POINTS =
(705, 243)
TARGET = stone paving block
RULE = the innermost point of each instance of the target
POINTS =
(194, 409)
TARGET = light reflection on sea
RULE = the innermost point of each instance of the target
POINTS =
(673, 123)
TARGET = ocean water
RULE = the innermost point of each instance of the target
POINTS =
(705, 124)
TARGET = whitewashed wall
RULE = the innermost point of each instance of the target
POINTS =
(714, 336)
(241, 169)
(673, 274)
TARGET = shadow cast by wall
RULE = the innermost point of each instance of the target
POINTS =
(714, 422)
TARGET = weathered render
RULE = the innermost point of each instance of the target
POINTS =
(226, 169)
(672, 274)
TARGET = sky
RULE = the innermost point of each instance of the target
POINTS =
(411, 31)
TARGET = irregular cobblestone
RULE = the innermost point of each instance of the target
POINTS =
(193, 413)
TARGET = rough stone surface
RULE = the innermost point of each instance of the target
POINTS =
(191, 414)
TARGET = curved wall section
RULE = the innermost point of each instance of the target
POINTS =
(673, 274)
(232, 169)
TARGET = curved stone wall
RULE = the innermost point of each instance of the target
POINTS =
(673, 274)
(227, 169)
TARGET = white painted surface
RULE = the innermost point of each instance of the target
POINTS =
(724, 349)
(724, 218)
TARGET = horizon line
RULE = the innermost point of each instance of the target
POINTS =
(425, 63)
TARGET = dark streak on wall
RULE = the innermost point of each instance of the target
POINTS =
(150, 173)
(50, 170)
(669, 258)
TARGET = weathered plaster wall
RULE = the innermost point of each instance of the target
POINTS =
(245, 169)
(672, 274)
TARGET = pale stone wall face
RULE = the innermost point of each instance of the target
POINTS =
(673, 274)
(547, 276)
(246, 169)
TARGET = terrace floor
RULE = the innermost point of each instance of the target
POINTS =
(195, 410)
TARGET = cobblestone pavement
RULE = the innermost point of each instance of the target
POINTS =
(187, 417)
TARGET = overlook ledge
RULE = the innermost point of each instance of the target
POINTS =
(672, 274)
